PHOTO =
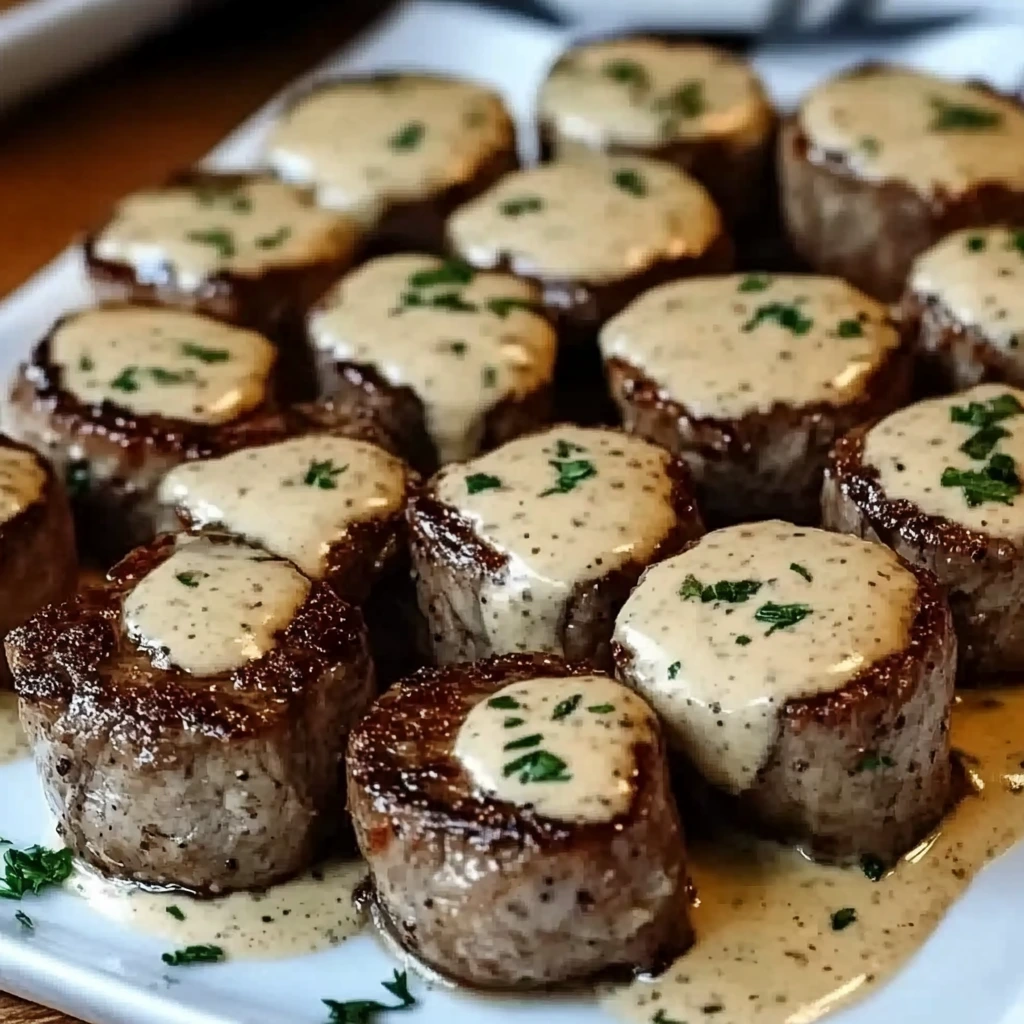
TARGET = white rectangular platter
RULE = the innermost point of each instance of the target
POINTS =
(75, 960)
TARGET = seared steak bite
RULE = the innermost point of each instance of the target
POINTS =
(535, 546)
(243, 248)
(117, 396)
(965, 298)
(469, 355)
(940, 483)
(37, 539)
(692, 105)
(188, 717)
(807, 675)
(518, 822)
(751, 379)
(881, 162)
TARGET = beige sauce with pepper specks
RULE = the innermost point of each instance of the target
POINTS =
(649, 92)
(978, 276)
(309, 913)
(565, 506)
(913, 448)
(728, 346)
(565, 747)
(211, 608)
(13, 742)
(937, 136)
(22, 480)
(163, 362)
(295, 498)
(187, 234)
(365, 145)
(463, 344)
(598, 220)
(719, 667)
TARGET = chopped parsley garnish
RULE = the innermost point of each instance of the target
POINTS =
(512, 722)
(998, 481)
(365, 1011)
(843, 918)
(976, 243)
(202, 954)
(870, 145)
(191, 579)
(566, 707)
(661, 1018)
(477, 482)
(162, 376)
(458, 348)
(1016, 241)
(489, 376)
(673, 669)
(630, 181)
(449, 272)
(755, 283)
(237, 202)
(685, 101)
(787, 316)
(872, 761)
(33, 869)
(78, 478)
(221, 240)
(537, 766)
(743, 640)
(281, 235)
(525, 204)
(949, 117)
(503, 306)
(732, 591)
(872, 866)
(628, 72)
(849, 329)
(408, 137)
(24, 920)
(781, 616)
(980, 444)
(524, 742)
(571, 473)
(504, 703)
(203, 353)
(85, 364)
(801, 570)
(127, 380)
(323, 475)
(176, 912)
(601, 709)
(983, 414)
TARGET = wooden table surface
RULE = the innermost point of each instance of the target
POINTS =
(65, 158)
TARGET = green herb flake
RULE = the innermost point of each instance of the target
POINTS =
(127, 380)
(162, 376)
(279, 237)
(785, 315)
(755, 283)
(513, 722)
(366, 1011)
(408, 137)
(202, 954)
(504, 703)
(323, 475)
(870, 145)
(218, 238)
(176, 912)
(453, 302)
(566, 707)
(191, 579)
(976, 243)
(980, 444)
(662, 1018)
(489, 376)
(686, 101)
(501, 306)
(998, 481)
(872, 867)
(872, 761)
(843, 918)
(524, 742)
(673, 669)
(627, 72)
(449, 272)
(952, 117)
(477, 482)
(204, 354)
(801, 570)
(236, 202)
(458, 348)
(33, 869)
(86, 365)
(849, 329)
(24, 920)
(525, 204)
(571, 473)
(630, 181)
(743, 640)
(1016, 241)
(781, 616)
(730, 591)
(537, 766)
(984, 414)
(601, 709)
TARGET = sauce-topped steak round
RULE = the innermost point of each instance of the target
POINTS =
(454, 359)
(188, 717)
(965, 297)
(518, 822)
(940, 482)
(881, 162)
(808, 675)
(535, 546)
(751, 379)
(693, 105)
(395, 152)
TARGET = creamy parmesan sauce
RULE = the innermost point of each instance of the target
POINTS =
(211, 607)
(163, 362)
(613, 506)
(13, 742)
(728, 346)
(462, 359)
(22, 479)
(935, 135)
(719, 672)
(565, 747)
(913, 447)
(296, 498)
(650, 92)
(576, 223)
(978, 275)
(365, 145)
(187, 234)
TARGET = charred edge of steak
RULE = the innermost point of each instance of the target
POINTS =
(64, 651)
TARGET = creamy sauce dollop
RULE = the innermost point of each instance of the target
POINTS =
(192, 233)
(565, 506)
(565, 747)
(978, 276)
(213, 607)
(652, 92)
(741, 343)
(295, 498)
(22, 479)
(365, 145)
(463, 344)
(753, 616)
(935, 135)
(596, 220)
(163, 362)
(914, 448)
